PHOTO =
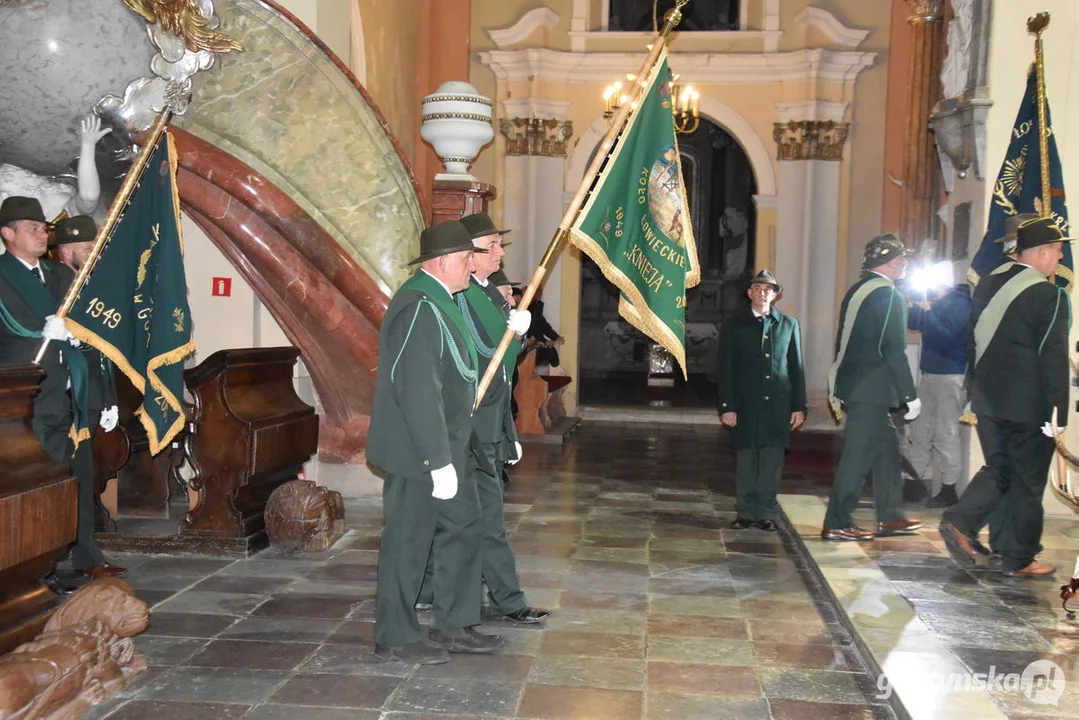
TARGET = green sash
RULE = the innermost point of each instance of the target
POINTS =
(989, 320)
(43, 304)
(490, 316)
(446, 310)
(855, 304)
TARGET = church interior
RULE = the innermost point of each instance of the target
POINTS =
(311, 143)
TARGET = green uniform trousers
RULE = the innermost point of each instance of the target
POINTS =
(1007, 490)
(419, 527)
(870, 444)
(84, 552)
(499, 564)
(757, 474)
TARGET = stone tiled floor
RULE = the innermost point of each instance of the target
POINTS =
(661, 612)
(933, 627)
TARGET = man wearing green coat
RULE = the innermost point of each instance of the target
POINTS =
(421, 423)
(761, 397)
(31, 289)
(494, 436)
(871, 375)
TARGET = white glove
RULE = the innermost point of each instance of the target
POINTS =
(519, 321)
(109, 418)
(1047, 430)
(914, 409)
(55, 329)
(520, 454)
(444, 480)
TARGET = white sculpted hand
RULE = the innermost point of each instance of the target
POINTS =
(92, 131)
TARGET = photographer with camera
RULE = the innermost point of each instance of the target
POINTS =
(940, 311)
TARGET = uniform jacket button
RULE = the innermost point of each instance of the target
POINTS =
(426, 463)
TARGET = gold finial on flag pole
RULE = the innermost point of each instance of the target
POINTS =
(1037, 25)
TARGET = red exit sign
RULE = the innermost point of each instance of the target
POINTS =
(222, 287)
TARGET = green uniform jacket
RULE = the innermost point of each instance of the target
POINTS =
(761, 377)
(875, 370)
(421, 418)
(52, 405)
(486, 321)
(1023, 373)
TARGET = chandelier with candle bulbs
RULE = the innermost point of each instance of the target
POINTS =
(685, 103)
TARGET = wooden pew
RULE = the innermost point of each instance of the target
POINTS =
(541, 412)
(38, 511)
(248, 432)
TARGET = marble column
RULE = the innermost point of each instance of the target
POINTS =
(536, 134)
(920, 178)
(807, 236)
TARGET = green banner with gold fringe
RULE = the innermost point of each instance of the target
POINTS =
(133, 307)
(636, 223)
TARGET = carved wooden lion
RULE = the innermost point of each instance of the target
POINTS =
(300, 515)
(84, 655)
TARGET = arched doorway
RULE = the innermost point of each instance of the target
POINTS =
(613, 356)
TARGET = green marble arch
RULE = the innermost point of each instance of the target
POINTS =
(285, 109)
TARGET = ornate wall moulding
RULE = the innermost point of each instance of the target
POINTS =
(810, 139)
(833, 29)
(536, 136)
(806, 65)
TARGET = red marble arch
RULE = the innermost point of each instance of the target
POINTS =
(326, 304)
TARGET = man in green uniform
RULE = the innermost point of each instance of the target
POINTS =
(761, 397)
(72, 241)
(494, 436)
(421, 422)
(996, 517)
(870, 376)
(31, 289)
(1018, 370)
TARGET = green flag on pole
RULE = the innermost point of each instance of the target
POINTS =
(133, 307)
(636, 224)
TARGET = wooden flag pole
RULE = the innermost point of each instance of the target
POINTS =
(558, 242)
(118, 203)
(1037, 25)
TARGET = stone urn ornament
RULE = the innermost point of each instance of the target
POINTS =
(457, 124)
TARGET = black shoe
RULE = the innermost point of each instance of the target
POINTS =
(529, 615)
(464, 640)
(976, 546)
(767, 525)
(58, 586)
(945, 498)
(913, 491)
(419, 653)
(741, 524)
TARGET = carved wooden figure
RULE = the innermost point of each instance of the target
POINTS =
(300, 515)
(84, 656)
